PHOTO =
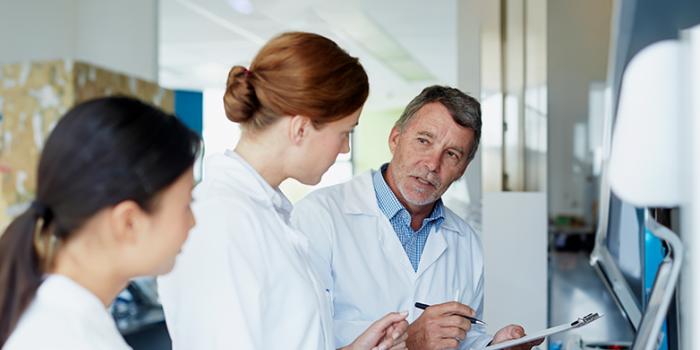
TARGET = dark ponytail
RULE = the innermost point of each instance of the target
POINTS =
(20, 272)
(102, 152)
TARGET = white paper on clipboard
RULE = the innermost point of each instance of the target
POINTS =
(580, 322)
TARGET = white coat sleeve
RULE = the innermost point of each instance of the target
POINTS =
(477, 338)
(313, 218)
(212, 300)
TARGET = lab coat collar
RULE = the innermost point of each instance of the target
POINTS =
(235, 172)
(363, 201)
(58, 290)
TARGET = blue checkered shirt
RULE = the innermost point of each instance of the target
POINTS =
(413, 242)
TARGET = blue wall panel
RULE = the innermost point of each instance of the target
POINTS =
(189, 108)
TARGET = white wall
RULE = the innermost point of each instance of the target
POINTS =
(577, 51)
(118, 35)
(464, 196)
(121, 35)
(36, 30)
(515, 260)
(690, 229)
(469, 76)
(491, 95)
(535, 96)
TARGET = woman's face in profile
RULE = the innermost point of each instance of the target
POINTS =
(323, 146)
(168, 226)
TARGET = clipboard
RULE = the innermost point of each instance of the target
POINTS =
(580, 322)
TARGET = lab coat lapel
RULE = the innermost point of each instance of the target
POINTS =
(392, 247)
(434, 248)
(362, 201)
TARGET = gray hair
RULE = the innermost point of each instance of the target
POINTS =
(464, 109)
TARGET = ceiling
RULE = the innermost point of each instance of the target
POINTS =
(404, 45)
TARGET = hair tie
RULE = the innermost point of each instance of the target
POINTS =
(42, 211)
(247, 73)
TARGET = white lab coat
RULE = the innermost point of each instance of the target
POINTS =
(65, 316)
(243, 279)
(367, 271)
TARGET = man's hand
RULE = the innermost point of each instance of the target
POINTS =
(440, 327)
(514, 332)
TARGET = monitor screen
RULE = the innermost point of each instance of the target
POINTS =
(625, 242)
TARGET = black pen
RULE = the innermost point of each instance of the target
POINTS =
(473, 319)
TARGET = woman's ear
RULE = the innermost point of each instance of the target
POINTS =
(127, 219)
(299, 128)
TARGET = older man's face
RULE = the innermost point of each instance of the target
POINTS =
(428, 155)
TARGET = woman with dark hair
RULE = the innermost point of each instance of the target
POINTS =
(112, 203)
(245, 279)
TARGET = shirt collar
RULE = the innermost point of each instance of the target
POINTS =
(390, 205)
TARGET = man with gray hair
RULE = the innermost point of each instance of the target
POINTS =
(384, 241)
